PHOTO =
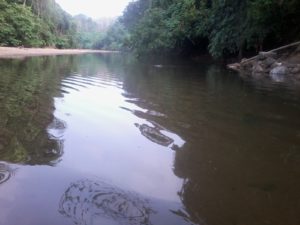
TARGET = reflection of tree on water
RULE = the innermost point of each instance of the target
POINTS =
(246, 185)
(27, 87)
(234, 173)
(86, 201)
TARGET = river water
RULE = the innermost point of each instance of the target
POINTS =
(105, 139)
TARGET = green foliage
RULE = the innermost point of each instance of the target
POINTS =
(227, 27)
(224, 28)
(134, 12)
(218, 27)
(20, 27)
(37, 23)
(148, 35)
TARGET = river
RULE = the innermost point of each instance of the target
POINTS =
(109, 140)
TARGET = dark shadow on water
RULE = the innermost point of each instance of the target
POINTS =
(27, 89)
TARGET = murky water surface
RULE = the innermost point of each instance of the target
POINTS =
(102, 139)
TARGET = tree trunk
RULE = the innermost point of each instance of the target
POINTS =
(240, 53)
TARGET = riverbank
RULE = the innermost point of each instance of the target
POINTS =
(283, 62)
(10, 52)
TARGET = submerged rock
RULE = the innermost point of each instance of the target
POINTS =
(88, 202)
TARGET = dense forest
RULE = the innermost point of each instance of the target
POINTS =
(35, 23)
(43, 23)
(221, 28)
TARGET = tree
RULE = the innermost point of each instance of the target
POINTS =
(224, 28)
(34, 23)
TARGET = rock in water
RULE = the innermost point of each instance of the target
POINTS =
(269, 61)
(279, 70)
(296, 69)
(258, 68)
(279, 73)
(87, 201)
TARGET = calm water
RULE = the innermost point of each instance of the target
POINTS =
(105, 140)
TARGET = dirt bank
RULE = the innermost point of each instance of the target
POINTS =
(8, 52)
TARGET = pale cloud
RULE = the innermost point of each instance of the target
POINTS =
(94, 8)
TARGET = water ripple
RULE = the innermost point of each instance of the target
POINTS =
(76, 82)
(5, 172)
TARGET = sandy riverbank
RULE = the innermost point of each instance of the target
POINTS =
(8, 52)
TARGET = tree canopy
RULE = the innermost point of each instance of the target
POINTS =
(35, 23)
(219, 27)
(39, 23)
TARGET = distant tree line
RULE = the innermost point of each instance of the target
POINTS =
(90, 33)
(221, 28)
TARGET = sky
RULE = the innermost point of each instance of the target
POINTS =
(94, 8)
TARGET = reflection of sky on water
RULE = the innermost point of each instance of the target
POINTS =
(101, 138)
(44, 195)
(238, 157)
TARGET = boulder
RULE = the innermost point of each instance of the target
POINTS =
(297, 49)
(295, 70)
(279, 70)
(258, 68)
(264, 55)
(297, 76)
(290, 65)
(246, 65)
(269, 61)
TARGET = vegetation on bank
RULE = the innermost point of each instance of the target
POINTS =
(218, 27)
(35, 23)
(186, 27)
(41, 23)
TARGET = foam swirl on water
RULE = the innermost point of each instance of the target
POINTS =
(5, 172)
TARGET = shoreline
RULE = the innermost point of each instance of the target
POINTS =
(278, 64)
(17, 52)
